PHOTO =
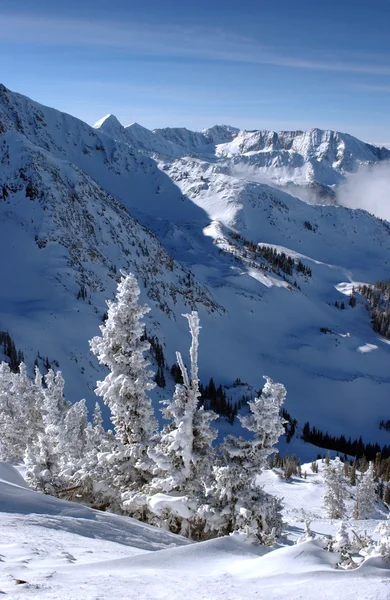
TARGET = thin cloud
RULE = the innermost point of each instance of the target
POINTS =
(374, 88)
(168, 41)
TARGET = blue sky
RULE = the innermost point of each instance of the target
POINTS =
(271, 65)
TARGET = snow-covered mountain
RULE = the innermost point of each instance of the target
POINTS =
(318, 159)
(79, 203)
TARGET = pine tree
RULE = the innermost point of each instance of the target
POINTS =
(12, 419)
(366, 493)
(352, 475)
(335, 489)
(184, 455)
(89, 474)
(20, 412)
(43, 456)
(386, 496)
(122, 348)
(73, 437)
(239, 499)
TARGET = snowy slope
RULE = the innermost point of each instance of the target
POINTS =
(71, 195)
(55, 549)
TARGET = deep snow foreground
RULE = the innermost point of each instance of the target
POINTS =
(55, 549)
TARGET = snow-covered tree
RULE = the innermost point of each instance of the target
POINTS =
(12, 419)
(121, 348)
(341, 540)
(383, 545)
(366, 494)
(183, 456)
(308, 534)
(43, 456)
(73, 437)
(20, 412)
(85, 469)
(240, 499)
(335, 492)
(185, 446)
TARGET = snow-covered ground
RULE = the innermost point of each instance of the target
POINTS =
(59, 550)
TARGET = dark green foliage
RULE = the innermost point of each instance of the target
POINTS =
(15, 356)
(82, 293)
(176, 374)
(289, 465)
(341, 444)
(352, 475)
(378, 297)
(160, 378)
(290, 426)
(214, 398)
(385, 425)
(279, 261)
(156, 350)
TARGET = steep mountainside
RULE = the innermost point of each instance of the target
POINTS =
(80, 203)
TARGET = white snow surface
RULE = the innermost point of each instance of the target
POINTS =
(56, 550)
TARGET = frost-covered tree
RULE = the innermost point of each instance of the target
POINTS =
(239, 498)
(184, 450)
(341, 540)
(308, 534)
(121, 348)
(85, 470)
(383, 545)
(20, 412)
(43, 456)
(12, 419)
(335, 489)
(366, 494)
(73, 436)
(183, 456)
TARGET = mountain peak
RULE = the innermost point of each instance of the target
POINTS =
(109, 121)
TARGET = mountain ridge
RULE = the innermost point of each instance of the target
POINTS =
(200, 236)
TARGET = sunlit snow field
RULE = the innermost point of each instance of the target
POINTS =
(59, 550)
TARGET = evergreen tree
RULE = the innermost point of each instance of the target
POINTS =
(121, 348)
(239, 499)
(366, 493)
(20, 412)
(12, 419)
(335, 489)
(386, 496)
(43, 456)
(352, 475)
(184, 456)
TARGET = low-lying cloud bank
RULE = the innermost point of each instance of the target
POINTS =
(369, 189)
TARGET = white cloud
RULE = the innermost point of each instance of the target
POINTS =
(369, 189)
